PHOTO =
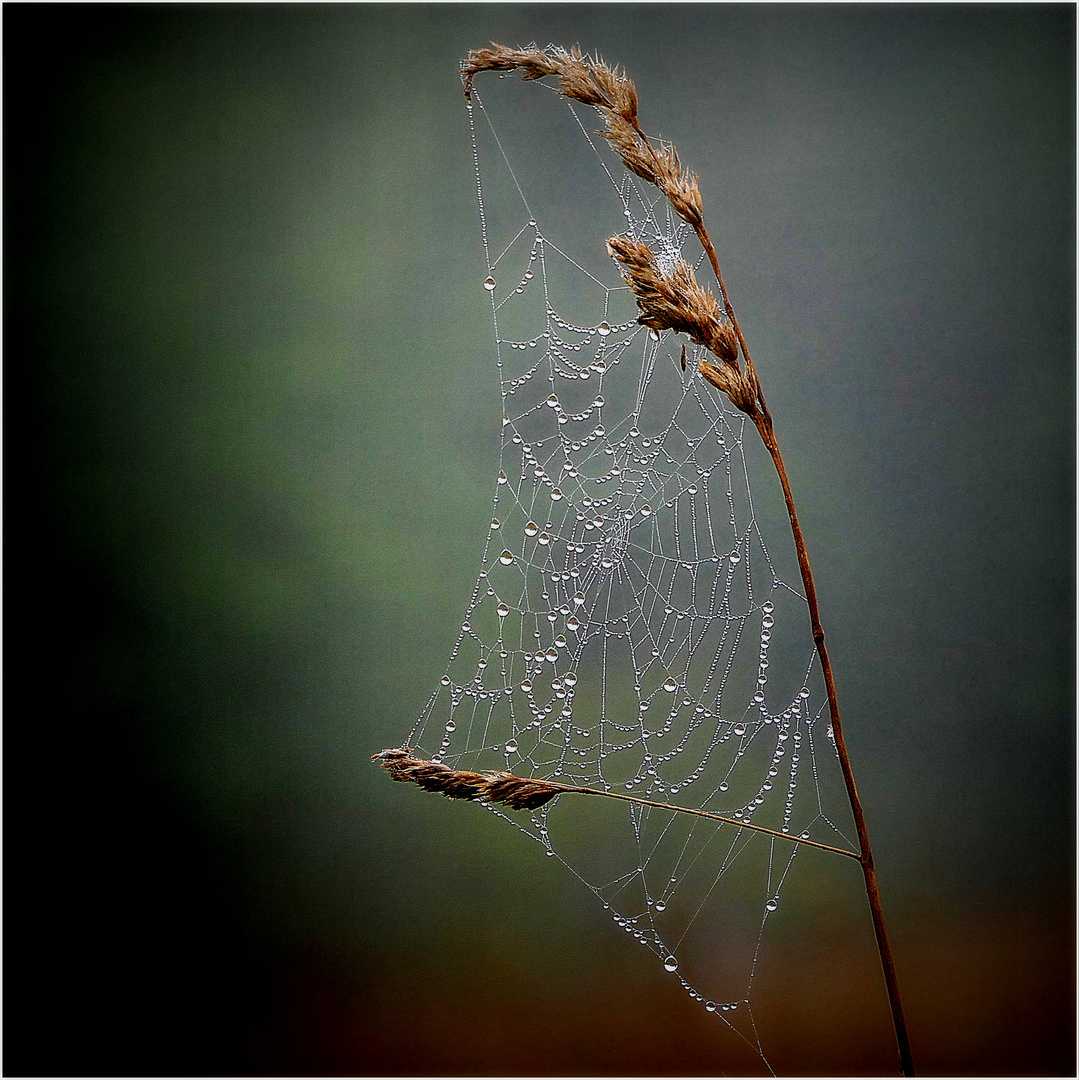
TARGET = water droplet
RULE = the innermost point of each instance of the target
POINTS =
(445, 680)
(543, 539)
(661, 905)
(604, 329)
(506, 558)
(451, 726)
(571, 679)
(578, 599)
(739, 729)
(489, 284)
(495, 524)
(573, 623)
(803, 693)
(671, 964)
(646, 510)
(724, 786)
(531, 529)
(654, 335)
(769, 607)
(552, 402)
(670, 686)
(771, 905)
(710, 1006)
(548, 852)
(511, 746)
(556, 494)
(503, 610)
(633, 432)
(768, 622)
(551, 654)
(735, 558)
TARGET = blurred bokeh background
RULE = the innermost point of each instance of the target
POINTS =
(251, 428)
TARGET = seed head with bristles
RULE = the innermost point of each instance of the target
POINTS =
(674, 300)
(607, 89)
(516, 792)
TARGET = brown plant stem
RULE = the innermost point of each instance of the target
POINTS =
(703, 814)
(762, 418)
(906, 1063)
(528, 793)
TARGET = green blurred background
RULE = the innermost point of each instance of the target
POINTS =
(251, 437)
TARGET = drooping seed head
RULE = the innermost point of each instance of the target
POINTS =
(674, 300)
(516, 792)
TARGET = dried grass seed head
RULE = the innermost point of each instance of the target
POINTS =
(674, 301)
(607, 89)
(516, 792)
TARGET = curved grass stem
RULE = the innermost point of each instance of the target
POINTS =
(762, 419)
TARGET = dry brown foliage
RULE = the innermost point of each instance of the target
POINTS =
(671, 301)
(607, 89)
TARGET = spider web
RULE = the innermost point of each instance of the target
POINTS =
(630, 628)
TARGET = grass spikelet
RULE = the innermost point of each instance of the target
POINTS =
(607, 89)
(515, 792)
(674, 301)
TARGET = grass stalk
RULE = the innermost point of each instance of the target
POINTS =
(669, 299)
